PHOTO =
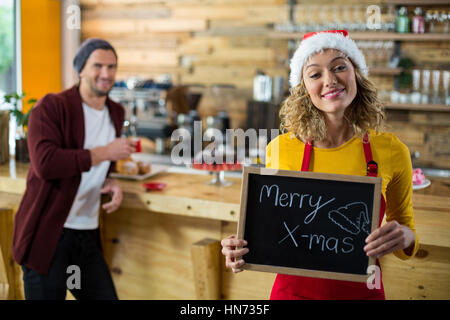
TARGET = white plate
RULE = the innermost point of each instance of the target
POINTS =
(154, 169)
(421, 186)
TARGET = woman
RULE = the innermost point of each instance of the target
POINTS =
(331, 124)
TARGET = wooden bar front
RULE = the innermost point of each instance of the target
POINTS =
(156, 238)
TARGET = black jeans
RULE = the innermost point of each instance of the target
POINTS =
(78, 265)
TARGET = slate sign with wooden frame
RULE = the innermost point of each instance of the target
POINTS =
(308, 224)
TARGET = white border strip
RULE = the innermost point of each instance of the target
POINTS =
(18, 43)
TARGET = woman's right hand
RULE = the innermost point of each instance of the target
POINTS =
(233, 256)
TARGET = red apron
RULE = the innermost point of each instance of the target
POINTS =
(288, 287)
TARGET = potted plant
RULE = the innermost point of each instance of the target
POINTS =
(404, 79)
(22, 123)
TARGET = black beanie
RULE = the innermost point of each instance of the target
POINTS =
(85, 50)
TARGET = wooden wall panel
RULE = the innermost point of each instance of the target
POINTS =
(133, 57)
(428, 54)
(226, 41)
(126, 26)
(425, 132)
(219, 12)
(222, 34)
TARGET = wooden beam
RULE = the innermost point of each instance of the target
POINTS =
(189, 207)
(385, 71)
(4, 136)
(7, 274)
(205, 255)
(4, 283)
(417, 107)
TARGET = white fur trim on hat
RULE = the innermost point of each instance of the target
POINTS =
(319, 42)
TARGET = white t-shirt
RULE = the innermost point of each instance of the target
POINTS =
(98, 131)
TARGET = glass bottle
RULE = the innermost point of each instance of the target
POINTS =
(390, 26)
(425, 86)
(446, 26)
(443, 20)
(415, 95)
(436, 77)
(429, 21)
(436, 22)
(445, 82)
(403, 21)
(418, 24)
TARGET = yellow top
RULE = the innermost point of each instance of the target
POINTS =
(391, 155)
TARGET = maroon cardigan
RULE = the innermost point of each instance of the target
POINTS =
(55, 144)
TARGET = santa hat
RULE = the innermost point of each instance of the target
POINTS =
(314, 42)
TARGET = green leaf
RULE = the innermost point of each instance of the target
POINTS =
(14, 98)
(7, 98)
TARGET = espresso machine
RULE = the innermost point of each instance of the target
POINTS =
(145, 109)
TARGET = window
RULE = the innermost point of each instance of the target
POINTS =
(7, 47)
(9, 55)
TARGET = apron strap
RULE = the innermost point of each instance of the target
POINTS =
(307, 156)
(372, 166)
(372, 171)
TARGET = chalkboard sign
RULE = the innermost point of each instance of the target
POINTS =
(309, 224)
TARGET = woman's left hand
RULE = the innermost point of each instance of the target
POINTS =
(389, 238)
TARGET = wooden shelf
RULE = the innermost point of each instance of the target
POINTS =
(418, 2)
(416, 107)
(380, 71)
(369, 35)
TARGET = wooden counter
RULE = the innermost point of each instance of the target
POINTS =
(152, 243)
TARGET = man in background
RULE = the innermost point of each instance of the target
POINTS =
(73, 140)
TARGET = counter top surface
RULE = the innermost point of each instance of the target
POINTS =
(185, 193)
(194, 185)
(178, 184)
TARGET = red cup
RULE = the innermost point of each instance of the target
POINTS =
(138, 145)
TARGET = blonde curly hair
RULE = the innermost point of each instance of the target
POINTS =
(299, 115)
